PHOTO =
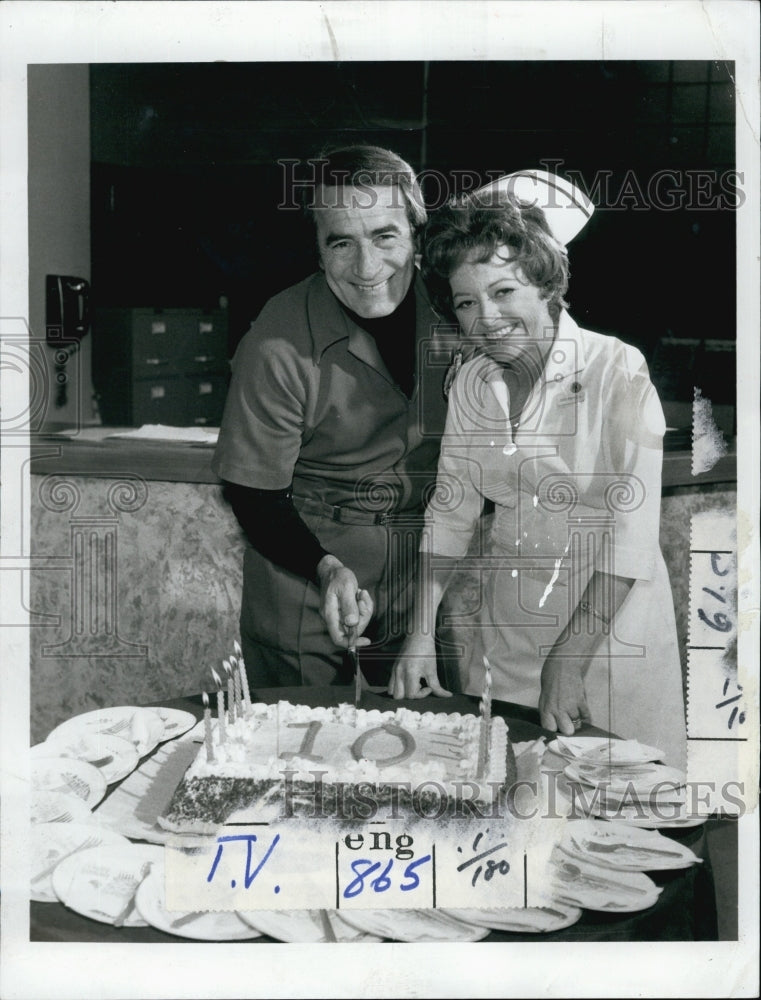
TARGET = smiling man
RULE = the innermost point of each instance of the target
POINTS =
(323, 443)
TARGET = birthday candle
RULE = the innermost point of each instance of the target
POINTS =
(236, 647)
(244, 682)
(241, 685)
(230, 690)
(238, 694)
(484, 738)
(233, 672)
(207, 727)
(220, 706)
(486, 696)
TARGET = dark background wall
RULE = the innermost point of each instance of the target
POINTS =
(186, 184)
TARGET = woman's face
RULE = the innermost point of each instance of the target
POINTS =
(498, 309)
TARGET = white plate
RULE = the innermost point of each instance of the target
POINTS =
(113, 756)
(101, 882)
(596, 888)
(621, 752)
(413, 925)
(210, 926)
(669, 818)
(603, 750)
(140, 726)
(57, 807)
(624, 847)
(579, 801)
(53, 842)
(641, 779)
(521, 920)
(72, 777)
(176, 722)
(304, 926)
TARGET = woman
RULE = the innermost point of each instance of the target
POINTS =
(561, 429)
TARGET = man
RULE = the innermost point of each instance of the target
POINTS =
(330, 435)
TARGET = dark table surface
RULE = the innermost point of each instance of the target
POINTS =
(685, 911)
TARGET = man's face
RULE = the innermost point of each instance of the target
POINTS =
(367, 247)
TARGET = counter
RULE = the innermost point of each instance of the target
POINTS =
(136, 568)
(97, 452)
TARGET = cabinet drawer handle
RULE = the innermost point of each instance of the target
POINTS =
(200, 420)
(158, 326)
(156, 361)
(205, 327)
(203, 357)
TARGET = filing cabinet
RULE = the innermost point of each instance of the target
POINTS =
(160, 366)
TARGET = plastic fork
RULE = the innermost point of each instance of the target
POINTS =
(117, 727)
(188, 918)
(85, 845)
(101, 761)
(569, 869)
(129, 906)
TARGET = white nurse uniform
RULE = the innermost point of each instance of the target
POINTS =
(576, 488)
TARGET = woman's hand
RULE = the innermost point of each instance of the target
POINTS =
(562, 702)
(342, 604)
(414, 674)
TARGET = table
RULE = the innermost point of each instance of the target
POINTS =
(685, 911)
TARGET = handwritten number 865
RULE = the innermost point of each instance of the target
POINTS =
(363, 868)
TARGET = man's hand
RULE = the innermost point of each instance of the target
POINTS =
(414, 674)
(562, 702)
(342, 603)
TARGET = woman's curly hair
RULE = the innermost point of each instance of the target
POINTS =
(475, 227)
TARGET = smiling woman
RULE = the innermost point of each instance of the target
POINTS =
(561, 429)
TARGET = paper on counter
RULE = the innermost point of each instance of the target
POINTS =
(162, 432)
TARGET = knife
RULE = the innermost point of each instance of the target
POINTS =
(354, 656)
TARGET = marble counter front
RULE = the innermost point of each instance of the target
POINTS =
(136, 581)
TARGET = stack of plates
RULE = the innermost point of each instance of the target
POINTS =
(580, 883)
(624, 847)
(53, 843)
(413, 925)
(75, 779)
(306, 926)
(85, 754)
(150, 901)
(553, 916)
(101, 882)
(114, 757)
(620, 780)
(143, 727)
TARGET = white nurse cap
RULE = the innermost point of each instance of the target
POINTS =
(565, 206)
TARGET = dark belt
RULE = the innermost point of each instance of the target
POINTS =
(353, 515)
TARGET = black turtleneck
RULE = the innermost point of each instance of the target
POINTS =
(268, 517)
(394, 336)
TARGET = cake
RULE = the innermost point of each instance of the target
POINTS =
(344, 764)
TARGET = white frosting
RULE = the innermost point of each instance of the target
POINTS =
(285, 737)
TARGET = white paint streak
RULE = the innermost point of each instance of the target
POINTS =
(555, 575)
(708, 444)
